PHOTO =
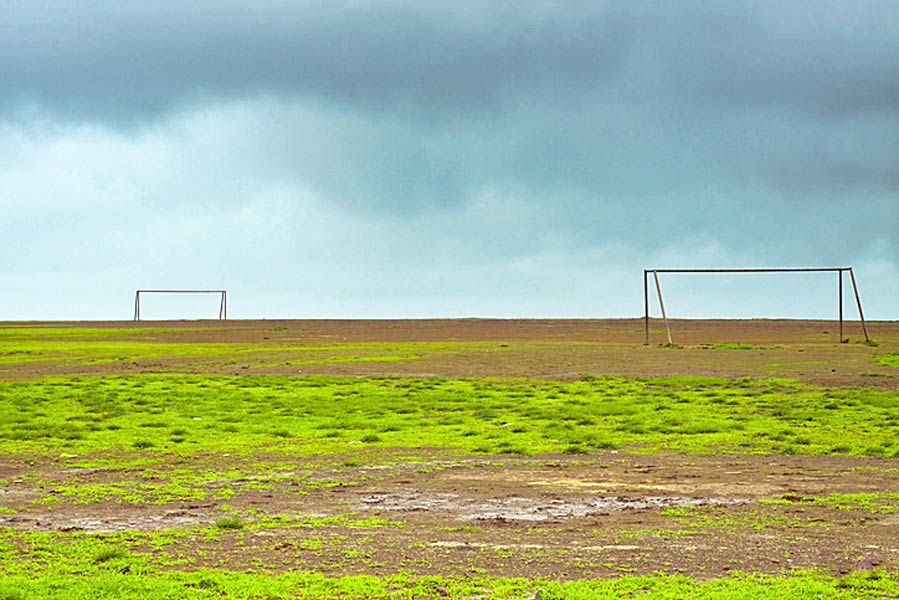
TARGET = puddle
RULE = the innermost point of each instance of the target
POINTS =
(526, 509)
(177, 519)
(519, 547)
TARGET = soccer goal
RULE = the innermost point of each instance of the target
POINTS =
(223, 299)
(839, 270)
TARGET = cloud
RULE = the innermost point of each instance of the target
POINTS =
(439, 63)
(137, 61)
(825, 56)
(374, 158)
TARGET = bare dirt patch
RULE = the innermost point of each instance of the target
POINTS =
(557, 516)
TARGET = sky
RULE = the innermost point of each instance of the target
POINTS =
(446, 159)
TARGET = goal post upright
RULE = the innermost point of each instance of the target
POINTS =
(646, 304)
(838, 270)
(840, 293)
(223, 299)
(223, 306)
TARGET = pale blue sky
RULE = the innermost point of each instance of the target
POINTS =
(414, 159)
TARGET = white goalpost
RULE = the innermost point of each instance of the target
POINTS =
(223, 299)
(838, 270)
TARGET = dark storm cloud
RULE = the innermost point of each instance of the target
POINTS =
(135, 60)
(834, 57)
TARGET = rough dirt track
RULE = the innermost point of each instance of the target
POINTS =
(603, 514)
(544, 348)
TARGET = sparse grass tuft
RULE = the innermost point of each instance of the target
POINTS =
(230, 523)
(108, 553)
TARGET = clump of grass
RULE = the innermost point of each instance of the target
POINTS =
(603, 444)
(108, 553)
(888, 360)
(230, 523)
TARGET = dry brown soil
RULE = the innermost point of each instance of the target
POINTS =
(545, 348)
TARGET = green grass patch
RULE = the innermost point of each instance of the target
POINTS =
(354, 359)
(732, 346)
(96, 345)
(888, 360)
(878, 503)
(698, 519)
(108, 582)
(304, 416)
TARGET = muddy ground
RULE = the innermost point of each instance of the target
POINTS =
(554, 516)
(603, 514)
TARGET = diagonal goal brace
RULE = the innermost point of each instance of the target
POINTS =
(838, 270)
(223, 300)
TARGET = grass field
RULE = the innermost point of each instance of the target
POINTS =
(447, 459)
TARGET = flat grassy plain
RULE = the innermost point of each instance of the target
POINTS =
(450, 458)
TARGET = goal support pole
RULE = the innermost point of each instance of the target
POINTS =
(655, 276)
(858, 301)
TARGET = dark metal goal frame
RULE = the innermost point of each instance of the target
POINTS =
(223, 302)
(838, 270)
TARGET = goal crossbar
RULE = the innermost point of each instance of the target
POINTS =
(223, 299)
(838, 270)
